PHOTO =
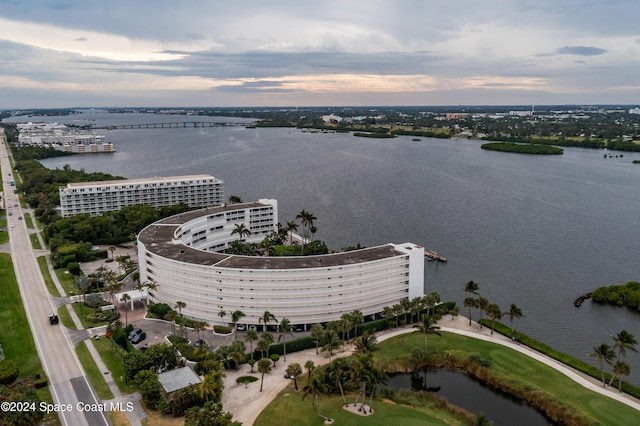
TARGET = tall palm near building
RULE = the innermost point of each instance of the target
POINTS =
(306, 219)
(235, 317)
(241, 230)
(267, 317)
(285, 329)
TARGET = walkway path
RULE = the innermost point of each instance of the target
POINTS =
(246, 402)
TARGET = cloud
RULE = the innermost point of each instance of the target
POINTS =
(580, 50)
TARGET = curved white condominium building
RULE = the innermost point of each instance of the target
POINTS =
(182, 255)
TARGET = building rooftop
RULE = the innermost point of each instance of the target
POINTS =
(179, 378)
(158, 238)
(141, 180)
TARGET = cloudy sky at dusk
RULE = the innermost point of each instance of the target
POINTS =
(66, 53)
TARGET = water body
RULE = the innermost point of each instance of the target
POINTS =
(537, 231)
(465, 392)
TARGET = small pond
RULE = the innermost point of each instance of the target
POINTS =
(466, 392)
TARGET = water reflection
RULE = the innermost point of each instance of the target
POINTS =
(468, 393)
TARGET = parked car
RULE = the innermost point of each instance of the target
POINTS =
(199, 343)
(137, 336)
(53, 319)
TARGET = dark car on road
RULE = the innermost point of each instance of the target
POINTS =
(137, 336)
(53, 319)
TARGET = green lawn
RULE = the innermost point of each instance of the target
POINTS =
(65, 317)
(4, 235)
(42, 262)
(28, 221)
(520, 370)
(93, 372)
(67, 281)
(35, 243)
(112, 358)
(289, 409)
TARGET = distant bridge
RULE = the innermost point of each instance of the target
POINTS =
(172, 124)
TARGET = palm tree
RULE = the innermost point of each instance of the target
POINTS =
(180, 304)
(306, 219)
(471, 287)
(266, 318)
(171, 317)
(494, 312)
(294, 370)
(603, 353)
(125, 298)
(387, 312)
(356, 318)
(251, 336)
(235, 317)
(344, 326)
(397, 311)
(481, 304)
(222, 314)
(315, 386)
(338, 372)
(623, 341)
(292, 226)
(317, 334)
(428, 326)
(331, 341)
(405, 304)
(241, 230)
(366, 343)
(285, 328)
(264, 366)
(469, 303)
(267, 340)
(309, 366)
(621, 368)
(514, 313)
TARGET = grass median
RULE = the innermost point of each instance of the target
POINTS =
(42, 263)
(93, 372)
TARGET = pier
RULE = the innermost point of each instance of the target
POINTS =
(170, 125)
(435, 256)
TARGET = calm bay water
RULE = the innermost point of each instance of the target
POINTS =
(537, 231)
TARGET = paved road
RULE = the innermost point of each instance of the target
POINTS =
(67, 381)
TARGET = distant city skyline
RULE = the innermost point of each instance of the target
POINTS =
(72, 53)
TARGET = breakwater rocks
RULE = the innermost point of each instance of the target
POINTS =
(581, 299)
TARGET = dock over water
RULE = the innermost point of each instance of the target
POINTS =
(435, 256)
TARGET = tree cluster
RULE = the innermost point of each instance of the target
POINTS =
(619, 295)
